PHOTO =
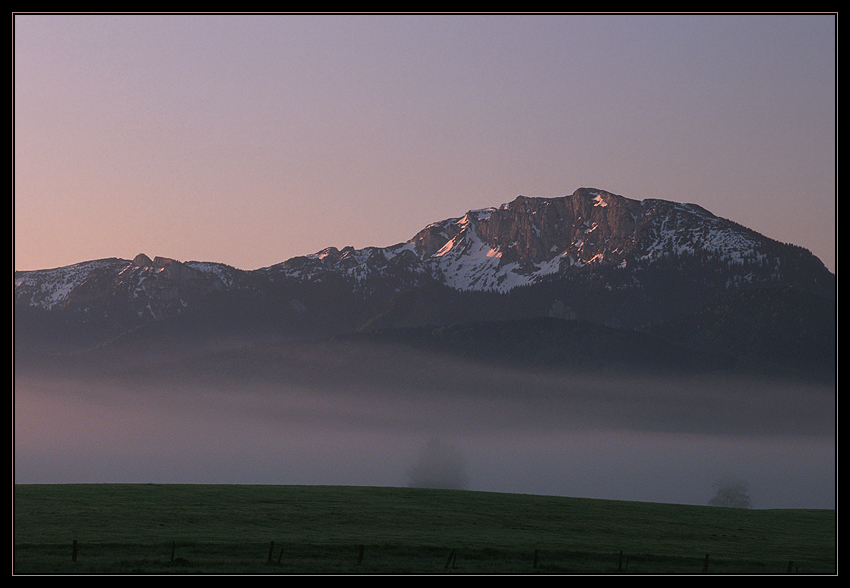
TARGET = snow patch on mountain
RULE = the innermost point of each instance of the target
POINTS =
(52, 288)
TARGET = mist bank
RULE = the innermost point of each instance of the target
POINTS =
(382, 377)
(335, 412)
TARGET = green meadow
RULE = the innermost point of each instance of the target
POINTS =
(267, 529)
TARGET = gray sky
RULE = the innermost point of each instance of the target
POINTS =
(252, 139)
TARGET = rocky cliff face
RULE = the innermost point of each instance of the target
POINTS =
(594, 226)
(581, 227)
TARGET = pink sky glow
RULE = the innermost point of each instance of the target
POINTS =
(250, 139)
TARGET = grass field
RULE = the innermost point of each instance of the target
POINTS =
(228, 529)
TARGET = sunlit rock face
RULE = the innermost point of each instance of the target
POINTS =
(582, 226)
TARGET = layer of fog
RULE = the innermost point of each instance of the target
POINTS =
(359, 423)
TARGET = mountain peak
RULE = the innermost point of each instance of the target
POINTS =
(589, 241)
(142, 260)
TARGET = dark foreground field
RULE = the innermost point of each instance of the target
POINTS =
(228, 529)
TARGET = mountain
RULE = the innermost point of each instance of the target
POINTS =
(591, 256)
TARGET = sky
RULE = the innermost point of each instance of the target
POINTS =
(251, 139)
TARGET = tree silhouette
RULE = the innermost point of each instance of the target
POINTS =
(439, 466)
(731, 493)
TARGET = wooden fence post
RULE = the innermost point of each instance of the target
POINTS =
(271, 549)
(74, 551)
(451, 560)
(705, 564)
(362, 548)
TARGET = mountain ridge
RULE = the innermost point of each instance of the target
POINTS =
(529, 238)
(592, 256)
